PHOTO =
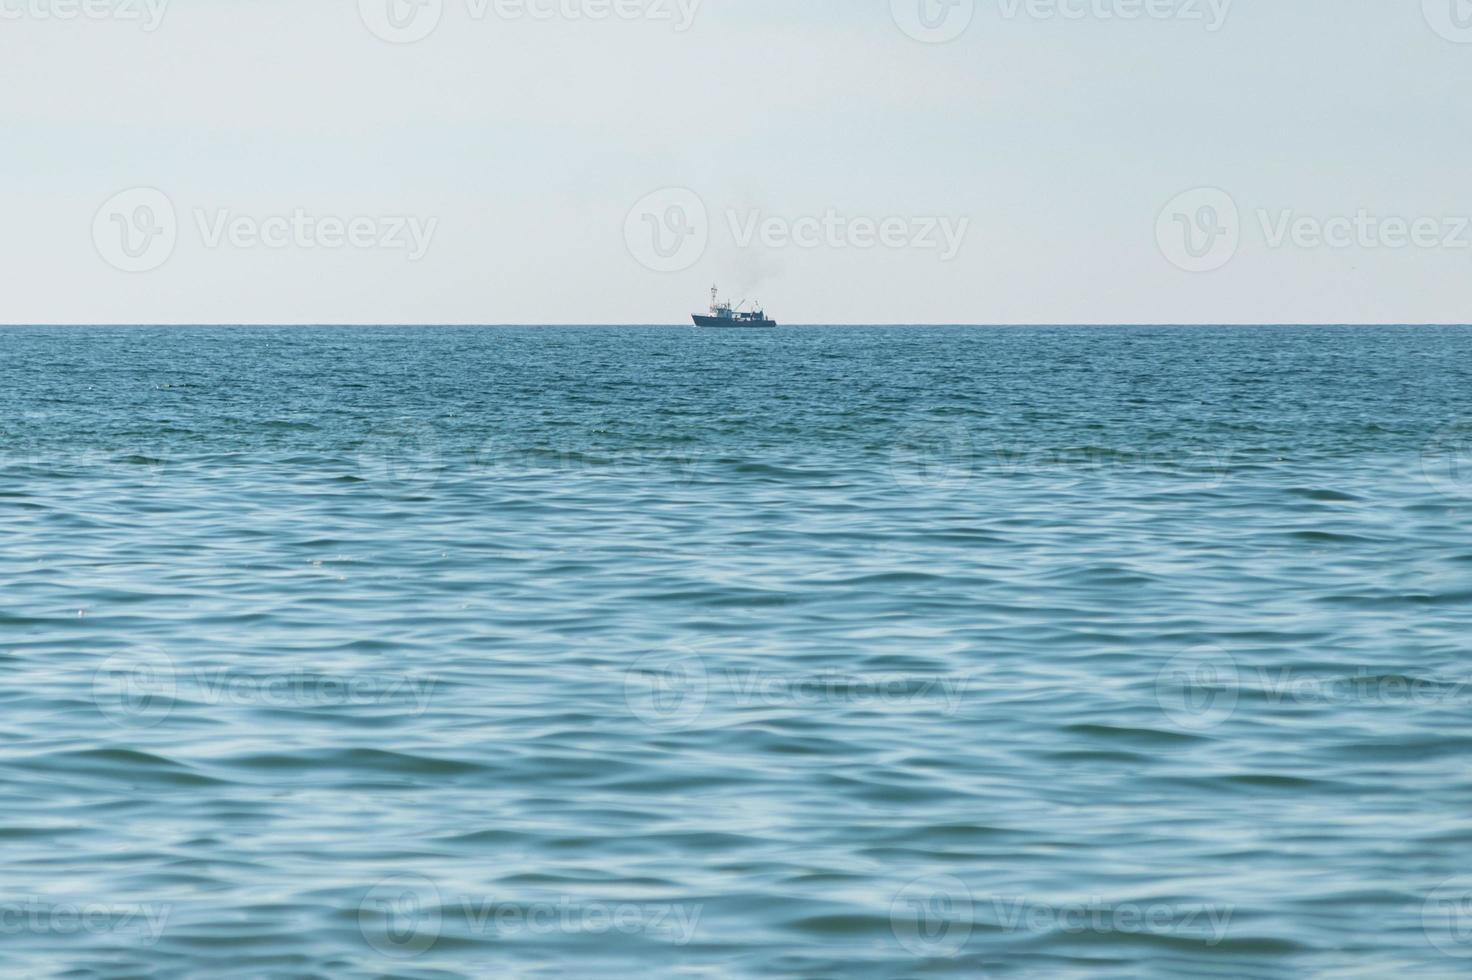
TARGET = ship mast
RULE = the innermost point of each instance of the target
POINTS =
(713, 291)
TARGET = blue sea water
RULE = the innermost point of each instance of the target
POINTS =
(828, 652)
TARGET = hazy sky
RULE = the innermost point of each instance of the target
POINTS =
(865, 161)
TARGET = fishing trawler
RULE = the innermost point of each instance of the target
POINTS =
(726, 315)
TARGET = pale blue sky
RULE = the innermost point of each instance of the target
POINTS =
(527, 142)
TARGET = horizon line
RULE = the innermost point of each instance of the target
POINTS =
(686, 326)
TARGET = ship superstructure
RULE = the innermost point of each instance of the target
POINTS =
(727, 315)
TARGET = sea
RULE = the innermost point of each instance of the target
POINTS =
(822, 652)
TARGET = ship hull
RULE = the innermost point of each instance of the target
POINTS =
(728, 323)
